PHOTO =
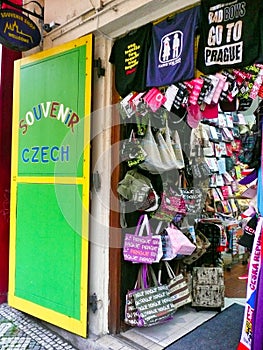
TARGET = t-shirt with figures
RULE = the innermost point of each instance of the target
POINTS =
(229, 34)
(171, 55)
(129, 55)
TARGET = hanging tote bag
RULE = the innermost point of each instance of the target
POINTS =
(141, 249)
(178, 287)
(171, 205)
(160, 153)
(177, 148)
(177, 241)
(137, 188)
(153, 160)
(132, 317)
(170, 149)
(131, 151)
(202, 244)
(152, 301)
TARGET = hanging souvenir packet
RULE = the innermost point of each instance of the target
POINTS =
(219, 88)
(154, 99)
(170, 95)
(214, 83)
(195, 87)
(213, 134)
(229, 120)
(212, 163)
(256, 85)
(221, 163)
(229, 149)
(221, 121)
(206, 87)
(218, 149)
(126, 109)
(226, 191)
(181, 96)
(227, 135)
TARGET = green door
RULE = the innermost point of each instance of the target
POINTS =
(50, 185)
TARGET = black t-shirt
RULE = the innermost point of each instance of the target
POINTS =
(129, 55)
(229, 34)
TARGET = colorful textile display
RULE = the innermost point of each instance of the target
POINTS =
(252, 290)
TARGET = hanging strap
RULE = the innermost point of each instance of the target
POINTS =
(170, 271)
(123, 221)
(139, 225)
(148, 275)
(145, 223)
(158, 228)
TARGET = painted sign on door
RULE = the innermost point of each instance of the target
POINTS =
(50, 185)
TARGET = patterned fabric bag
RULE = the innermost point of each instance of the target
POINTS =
(171, 205)
(202, 243)
(142, 249)
(131, 151)
(176, 243)
(178, 288)
(208, 287)
(138, 189)
(161, 155)
(150, 304)
(132, 317)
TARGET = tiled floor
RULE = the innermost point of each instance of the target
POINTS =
(185, 319)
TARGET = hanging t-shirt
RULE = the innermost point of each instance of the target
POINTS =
(229, 34)
(129, 55)
(171, 55)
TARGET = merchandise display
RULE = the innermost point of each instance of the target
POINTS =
(196, 141)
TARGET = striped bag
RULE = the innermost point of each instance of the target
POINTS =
(178, 288)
